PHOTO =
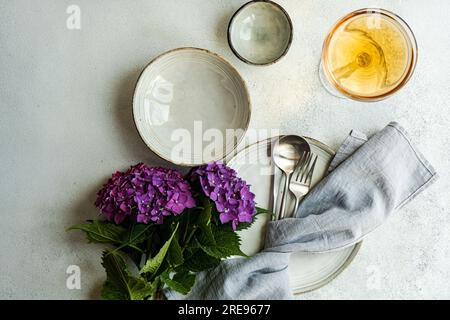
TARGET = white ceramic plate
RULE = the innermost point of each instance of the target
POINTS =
(307, 271)
(188, 95)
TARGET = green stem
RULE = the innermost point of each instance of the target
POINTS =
(186, 226)
(189, 238)
(157, 284)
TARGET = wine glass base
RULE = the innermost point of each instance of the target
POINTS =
(327, 85)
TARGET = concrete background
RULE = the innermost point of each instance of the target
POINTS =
(66, 125)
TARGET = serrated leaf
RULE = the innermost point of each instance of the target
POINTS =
(175, 254)
(200, 261)
(101, 232)
(227, 243)
(204, 223)
(135, 235)
(140, 289)
(181, 282)
(152, 265)
(119, 283)
(111, 292)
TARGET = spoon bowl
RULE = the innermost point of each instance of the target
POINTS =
(286, 154)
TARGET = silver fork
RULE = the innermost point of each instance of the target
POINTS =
(301, 182)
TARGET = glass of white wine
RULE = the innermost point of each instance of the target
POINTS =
(368, 55)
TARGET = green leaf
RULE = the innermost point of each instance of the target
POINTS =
(245, 225)
(140, 289)
(227, 243)
(175, 254)
(200, 261)
(101, 232)
(152, 265)
(204, 217)
(119, 283)
(182, 281)
(135, 235)
(262, 210)
(204, 223)
(111, 292)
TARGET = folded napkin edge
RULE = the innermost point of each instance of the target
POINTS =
(426, 164)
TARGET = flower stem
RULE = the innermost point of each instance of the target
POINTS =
(158, 287)
(189, 238)
(186, 226)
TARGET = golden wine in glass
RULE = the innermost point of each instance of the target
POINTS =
(368, 55)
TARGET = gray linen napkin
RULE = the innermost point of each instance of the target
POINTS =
(368, 181)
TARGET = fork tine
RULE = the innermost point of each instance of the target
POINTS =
(311, 171)
(300, 164)
(303, 165)
(305, 169)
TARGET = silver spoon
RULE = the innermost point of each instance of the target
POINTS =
(286, 154)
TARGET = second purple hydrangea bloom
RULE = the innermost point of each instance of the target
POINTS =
(231, 194)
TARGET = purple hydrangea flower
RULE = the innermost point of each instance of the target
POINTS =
(144, 194)
(231, 194)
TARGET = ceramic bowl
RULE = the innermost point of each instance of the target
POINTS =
(185, 103)
(260, 32)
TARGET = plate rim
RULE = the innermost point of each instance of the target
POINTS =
(222, 59)
(356, 247)
(334, 275)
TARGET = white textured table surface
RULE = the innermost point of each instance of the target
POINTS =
(66, 124)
